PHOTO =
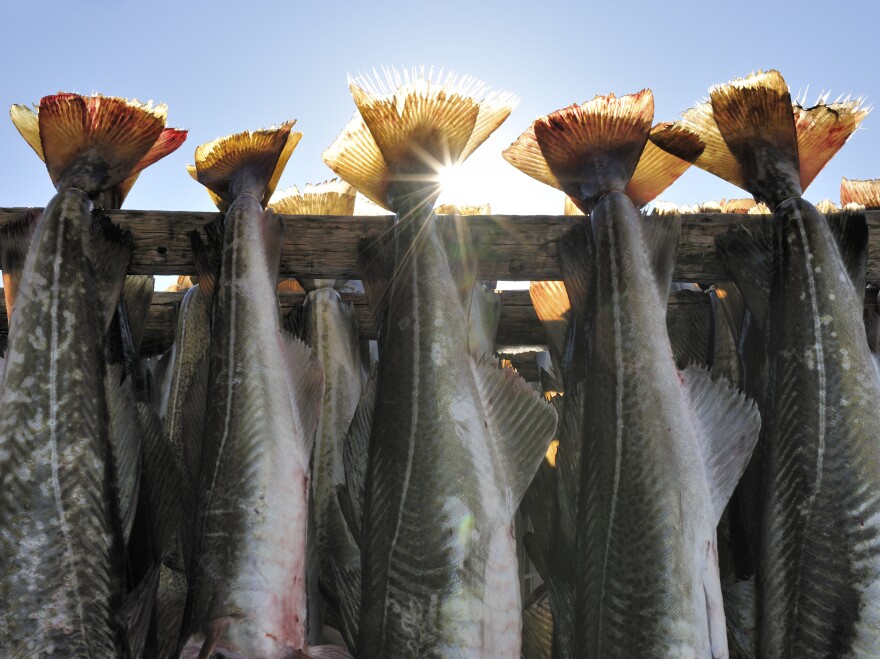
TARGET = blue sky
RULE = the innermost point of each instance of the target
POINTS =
(223, 67)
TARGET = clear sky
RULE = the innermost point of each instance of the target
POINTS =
(223, 67)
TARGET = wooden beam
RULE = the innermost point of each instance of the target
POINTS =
(514, 247)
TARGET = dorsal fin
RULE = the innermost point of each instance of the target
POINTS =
(110, 254)
(746, 250)
(207, 257)
(659, 168)
(551, 304)
(137, 294)
(520, 423)
(589, 149)
(660, 236)
(305, 380)
(728, 315)
(850, 231)
(355, 453)
(727, 426)
(376, 264)
(862, 192)
(483, 316)
(251, 162)
(95, 142)
(575, 250)
(15, 239)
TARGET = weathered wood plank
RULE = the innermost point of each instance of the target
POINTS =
(510, 247)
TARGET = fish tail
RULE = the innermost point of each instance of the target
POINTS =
(249, 162)
(356, 158)
(91, 142)
(15, 239)
(587, 150)
(822, 130)
(659, 168)
(862, 192)
(333, 197)
(169, 141)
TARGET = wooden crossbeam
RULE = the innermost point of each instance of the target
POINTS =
(514, 247)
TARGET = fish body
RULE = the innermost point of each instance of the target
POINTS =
(57, 535)
(248, 592)
(648, 573)
(330, 329)
(819, 563)
(439, 556)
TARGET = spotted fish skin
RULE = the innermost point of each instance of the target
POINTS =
(439, 557)
(248, 591)
(819, 552)
(57, 536)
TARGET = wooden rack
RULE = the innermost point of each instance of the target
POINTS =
(514, 247)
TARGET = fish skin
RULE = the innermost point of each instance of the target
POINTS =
(819, 556)
(647, 568)
(57, 585)
(330, 329)
(248, 590)
(438, 553)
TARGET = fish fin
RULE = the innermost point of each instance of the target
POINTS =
(461, 255)
(169, 141)
(208, 257)
(746, 250)
(595, 148)
(162, 481)
(323, 652)
(520, 423)
(660, 236)
(356, 158)
(862, 192)
(137, 295)
(420, 123)
(483, 317)
(251, 161)
(137, 612)
(333, 197)
(659, 168)
(728, 315)
(850, 231)
(305, 378)
(553, 308)
(525, 154)
(576, 249)
(536, 548)
(28, 124)
(754, 116)
(821, 132)
(15, 239)
(124, 439)
(356, 451)
(690, 328)
(345, 601)
(537, 630)
(539, 501)
(727, 425)
(376, 264)
(110, 254)
(95, 142)
(170, 602)
(741, 614)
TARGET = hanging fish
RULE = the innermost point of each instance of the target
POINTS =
(802, 278)
(247, 586)
(646, 573)
(60, 576)
(329, 328)
(455, 440)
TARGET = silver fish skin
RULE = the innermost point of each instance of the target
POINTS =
(248, 592)
(56, 524)
(819, 553)
(663, 451)
(330, 330)
(453, 447)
